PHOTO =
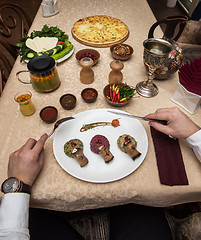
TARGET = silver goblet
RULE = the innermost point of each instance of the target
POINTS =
(156, 52)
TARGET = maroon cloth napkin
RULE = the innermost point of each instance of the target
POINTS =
(190, 76)
(169, 159)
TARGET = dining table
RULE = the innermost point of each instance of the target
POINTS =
(57, 189)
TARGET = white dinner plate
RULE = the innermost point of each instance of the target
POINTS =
(97, 171)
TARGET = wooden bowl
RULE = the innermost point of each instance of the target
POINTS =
(68, 101)
(122, 57)
(89, 95)
(49, 114)
(90, 53)
(106, 93)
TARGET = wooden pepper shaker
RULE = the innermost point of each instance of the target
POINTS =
(86, 74)
(116, 75)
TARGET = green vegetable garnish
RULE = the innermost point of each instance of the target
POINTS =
(126, 92)
(69, 47)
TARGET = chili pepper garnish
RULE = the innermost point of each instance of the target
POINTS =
(118, 93)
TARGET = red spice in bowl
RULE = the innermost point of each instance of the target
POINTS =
(89, 95)
(49, 114)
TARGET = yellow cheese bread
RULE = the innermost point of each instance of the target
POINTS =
(100, 30)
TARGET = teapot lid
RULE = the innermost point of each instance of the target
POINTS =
(41, 64)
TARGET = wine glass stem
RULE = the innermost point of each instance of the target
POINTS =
(149, 81)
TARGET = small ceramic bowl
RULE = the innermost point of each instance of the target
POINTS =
(121, 51)
(106, 93)
(90, 53)
(89, 95)
(49, 114)
(68, 101)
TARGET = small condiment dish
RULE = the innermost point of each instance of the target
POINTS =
(49, 114)
(90, 53)
(68, 101)
(121, 51)
(106, 93)
(89, 95)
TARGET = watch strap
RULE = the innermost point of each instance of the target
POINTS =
(24, 188)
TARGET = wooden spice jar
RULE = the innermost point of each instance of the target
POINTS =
(116, 75)
(86, 74)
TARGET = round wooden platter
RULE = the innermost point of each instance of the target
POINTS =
(101, 45)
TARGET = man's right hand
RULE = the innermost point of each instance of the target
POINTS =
(178, 124)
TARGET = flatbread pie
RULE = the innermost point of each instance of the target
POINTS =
(100, 31)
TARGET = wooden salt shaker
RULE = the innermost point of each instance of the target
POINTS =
(116, 75)
(86, 74)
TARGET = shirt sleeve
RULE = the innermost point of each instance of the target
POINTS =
(14, 210)
(194, 142)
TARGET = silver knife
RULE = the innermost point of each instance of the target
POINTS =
(139, 118)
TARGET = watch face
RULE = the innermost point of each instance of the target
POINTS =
(10, 185)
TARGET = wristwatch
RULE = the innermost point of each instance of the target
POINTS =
(13, 185)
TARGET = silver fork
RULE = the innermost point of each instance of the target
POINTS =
(58, 123)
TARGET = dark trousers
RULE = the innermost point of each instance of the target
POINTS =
(49, 225)
(137, 222)
(127, 222)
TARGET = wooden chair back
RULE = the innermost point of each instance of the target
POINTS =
(14, 23)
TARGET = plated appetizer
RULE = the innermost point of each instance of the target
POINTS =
(50, 41)
(100, 145)
(128, 145)
(74, 149)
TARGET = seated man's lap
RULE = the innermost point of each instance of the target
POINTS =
(138, 222)
(127, 222)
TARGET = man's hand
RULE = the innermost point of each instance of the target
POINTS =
(26, 163)
(178, 124)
